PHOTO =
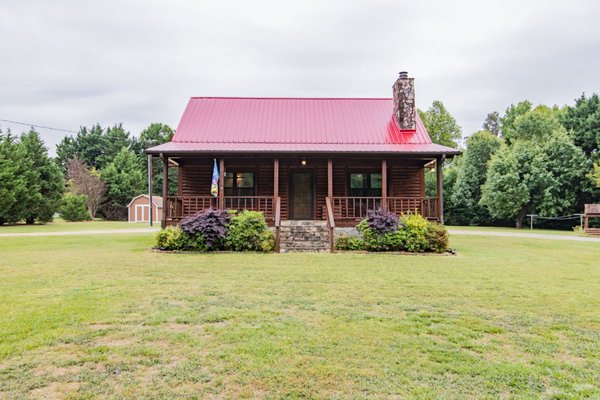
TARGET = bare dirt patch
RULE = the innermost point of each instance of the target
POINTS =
(55, 390)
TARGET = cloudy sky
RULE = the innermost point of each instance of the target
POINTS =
(71, 63)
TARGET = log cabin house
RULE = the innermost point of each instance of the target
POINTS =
(310, 159)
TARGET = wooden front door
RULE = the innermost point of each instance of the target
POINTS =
(302, 195)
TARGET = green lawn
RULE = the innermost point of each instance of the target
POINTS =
(104, 317)
(524, 230)
(59, 225)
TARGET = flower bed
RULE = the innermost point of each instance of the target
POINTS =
(384, 231)
(216, 230)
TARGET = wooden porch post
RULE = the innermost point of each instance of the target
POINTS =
(275, 179)
(384, 204)
(440, 186)
(150, 186)
(222, 183)
(329, 178)
(165, 191)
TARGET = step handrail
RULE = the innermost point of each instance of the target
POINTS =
(330, 223)
(277, 222)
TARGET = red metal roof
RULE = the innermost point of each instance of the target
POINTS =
(235, 124)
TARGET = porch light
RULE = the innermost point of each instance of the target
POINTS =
(303, 162)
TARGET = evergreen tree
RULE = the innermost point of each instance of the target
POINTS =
(124, 179)
(13, 185)
(114, 140)
(44, 181)
(154, 135)
(95, 146)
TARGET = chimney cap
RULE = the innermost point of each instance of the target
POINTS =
(403, 75)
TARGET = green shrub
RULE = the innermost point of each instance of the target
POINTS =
(248, 231)
(173, 238)
(267, 242)
(346, 242)
(415, 233)
(373, 241)
(74, 208)
(437, 237)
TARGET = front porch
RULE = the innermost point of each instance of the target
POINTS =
(338, 190)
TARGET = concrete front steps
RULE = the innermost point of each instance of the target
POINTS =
(303, 236)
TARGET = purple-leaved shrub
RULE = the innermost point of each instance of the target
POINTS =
(382, 221)
(213, 225)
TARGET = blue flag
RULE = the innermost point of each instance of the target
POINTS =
(214, 186)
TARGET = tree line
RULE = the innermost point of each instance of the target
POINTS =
(96, 173)
(530, 160)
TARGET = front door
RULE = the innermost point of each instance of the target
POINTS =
(302, 195)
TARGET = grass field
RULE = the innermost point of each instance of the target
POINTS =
(523, 230)
(104, 317)
(59, 225)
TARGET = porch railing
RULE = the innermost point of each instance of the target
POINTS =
(178, 207)
(426, 206)
(356, 208)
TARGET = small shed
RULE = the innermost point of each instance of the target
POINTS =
(138, 210)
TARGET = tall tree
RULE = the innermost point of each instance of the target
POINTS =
(595, 175)
(492, 123)
(537, 124)
(512, 112)
(115, 139)
(86, 181)
(533, 176)
(466, 192)
(583, 120)
(44, 181)
(13, 186)
(450, 175)
(154, 135)
(124, 179)
(95, 146)
(441, 125)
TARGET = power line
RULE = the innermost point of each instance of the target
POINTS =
(37, 126)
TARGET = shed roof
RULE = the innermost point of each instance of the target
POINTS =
(249, 124)
(156, 200)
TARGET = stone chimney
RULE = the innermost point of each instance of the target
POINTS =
(405, 110)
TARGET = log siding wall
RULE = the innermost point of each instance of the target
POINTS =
(405, 176)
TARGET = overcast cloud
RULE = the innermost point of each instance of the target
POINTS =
(68, 64)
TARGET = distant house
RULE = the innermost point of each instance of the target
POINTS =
(138, 210)
(316, 159)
